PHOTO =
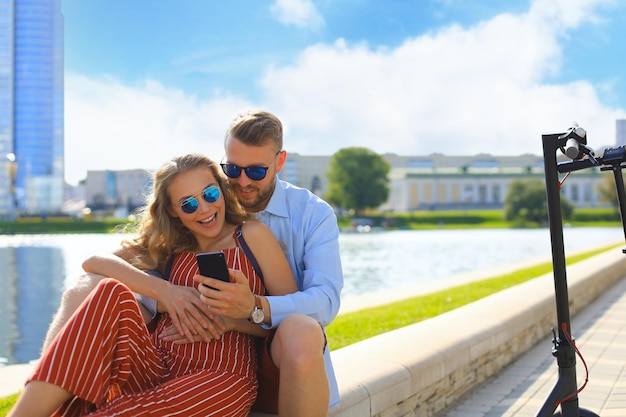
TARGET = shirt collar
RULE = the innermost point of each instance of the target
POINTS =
(277, 205)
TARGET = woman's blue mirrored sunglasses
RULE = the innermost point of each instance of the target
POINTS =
(210, 194)
(254, 173)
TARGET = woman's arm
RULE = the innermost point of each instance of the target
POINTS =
(118, 265)
(182, 303)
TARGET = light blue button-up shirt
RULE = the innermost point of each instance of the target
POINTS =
(306, 227)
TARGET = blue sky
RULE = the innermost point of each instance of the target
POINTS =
(147, 80)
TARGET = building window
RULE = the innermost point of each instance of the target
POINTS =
(575, 192)
(482, 193)
(495, 193)
(111, 189)
(420, 163)
(484, 163)
(427, 196)
(587, 193)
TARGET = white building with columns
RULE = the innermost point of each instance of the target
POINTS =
(439, 182)
(432, 182)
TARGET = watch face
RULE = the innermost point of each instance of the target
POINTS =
(257, 316)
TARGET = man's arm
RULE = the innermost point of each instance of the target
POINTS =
(320, 278)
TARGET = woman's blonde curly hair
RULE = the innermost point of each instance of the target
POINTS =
(160, 235)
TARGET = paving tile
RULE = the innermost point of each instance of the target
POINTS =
(523, 386)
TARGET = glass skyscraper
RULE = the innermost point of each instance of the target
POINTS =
(31, 106)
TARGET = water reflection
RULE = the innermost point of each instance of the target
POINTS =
(36, 269)
(30, 301)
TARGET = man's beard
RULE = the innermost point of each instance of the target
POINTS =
(261, 199)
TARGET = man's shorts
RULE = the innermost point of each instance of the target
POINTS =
(268, 376)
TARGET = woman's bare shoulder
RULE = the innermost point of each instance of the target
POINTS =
(255, 229)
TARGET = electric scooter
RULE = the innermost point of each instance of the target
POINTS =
(573, 145)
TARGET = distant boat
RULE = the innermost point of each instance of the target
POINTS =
(362, 225)
(362, 228)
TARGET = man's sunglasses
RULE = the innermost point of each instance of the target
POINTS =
(254, 173)
(210, 194)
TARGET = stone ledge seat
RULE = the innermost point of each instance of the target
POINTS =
(423, 369)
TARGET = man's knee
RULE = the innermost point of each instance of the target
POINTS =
(300, 328)
(299, 340)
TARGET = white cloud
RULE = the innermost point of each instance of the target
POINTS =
(301, 13)
(115, 126)
(458, 91)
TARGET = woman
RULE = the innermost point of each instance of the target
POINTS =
(105, 362)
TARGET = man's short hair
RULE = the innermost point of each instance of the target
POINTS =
(257, 128)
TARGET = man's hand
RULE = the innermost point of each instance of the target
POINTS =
(233, 300)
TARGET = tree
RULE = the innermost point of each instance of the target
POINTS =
(357, 179)
(526, 201)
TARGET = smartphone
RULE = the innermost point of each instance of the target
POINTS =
(213, 265)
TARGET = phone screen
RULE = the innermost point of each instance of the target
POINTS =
(213, 265)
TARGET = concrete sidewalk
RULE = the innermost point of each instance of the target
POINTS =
(12, 378)
(520, 390)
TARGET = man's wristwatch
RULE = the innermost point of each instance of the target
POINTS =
(258, 313)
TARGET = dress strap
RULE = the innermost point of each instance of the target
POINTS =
(241, 242)
(168, 267)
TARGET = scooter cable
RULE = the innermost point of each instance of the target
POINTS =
(573, 345)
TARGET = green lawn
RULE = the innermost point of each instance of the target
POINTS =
(353, 327)
(6, 403)
(359, 325)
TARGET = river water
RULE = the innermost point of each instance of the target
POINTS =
(35, 269)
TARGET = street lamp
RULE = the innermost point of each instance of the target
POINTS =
(12, 172)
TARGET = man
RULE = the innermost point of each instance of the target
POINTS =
(296, 352)
(307, 227)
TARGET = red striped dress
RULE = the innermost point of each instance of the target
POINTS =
(105, 356)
